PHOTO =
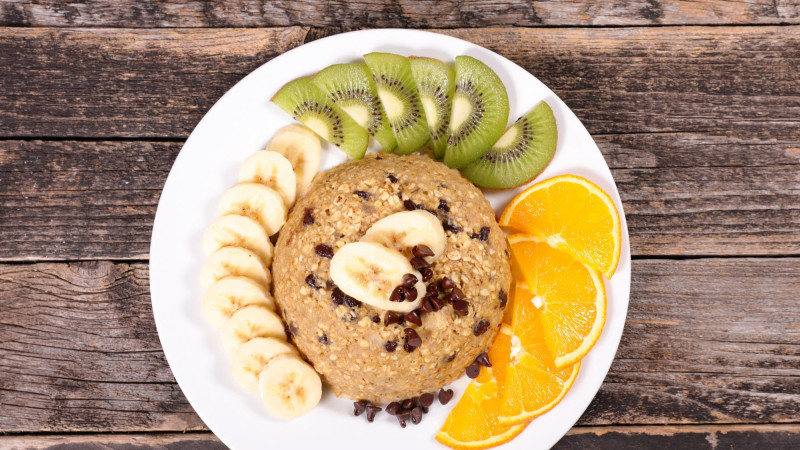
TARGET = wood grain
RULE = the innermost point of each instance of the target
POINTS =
(158, 83)
(710, 437)
(386, 13)
(683, 194)
(707, 341)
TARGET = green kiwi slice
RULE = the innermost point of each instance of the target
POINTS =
(435, 85)
(350, 86)
(398, 93)
(522, 152)
(309, 105)
(479, 114)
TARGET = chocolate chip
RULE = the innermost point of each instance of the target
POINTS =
(330, 284)
(308, 217)
(474, 236)
(443, 206)
(414, 318)
(337, 296)
(378, 157)
(393, 408)
(445, 396)
(424, 409)
(409, 279)
(311, 280)
(351, 302)
(398, 294)
(371, 412)
(480, 328)
(362, 194)
(503, 298)
(446, 283)
(426, 399)
(473, 370)
(409, 403)
(435, 303)
(409, 205)
(416, 415)
(359, 408)
(390, 346)
(412, 340)
(419, 263)
(391, 318)
(485, 234)
(455, 295)
(461, 307)
(431, 288)
(392, 178)
(483, 360)
(323, 339)
(376, 319)
(323, 251)
(426, 306)
(448, 225)
(451, 357)
(402, 418)
(411, 294)
(422, 251)
(427, 274)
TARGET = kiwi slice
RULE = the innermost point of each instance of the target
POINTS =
(398, 93)
(522, 152)
(479, 115)
(350, 86)
(310, 105)
(435, 84)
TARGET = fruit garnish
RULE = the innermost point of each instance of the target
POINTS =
(398, 93)
(350, 86)
(302, 148)
(566, 304)
(474, 423)
(435, 84)
(573, 215)
(310, 105)
(479, 114)
(520, 154)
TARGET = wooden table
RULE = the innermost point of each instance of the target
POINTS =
(695, 105)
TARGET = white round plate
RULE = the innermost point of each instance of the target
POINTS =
(242, 122)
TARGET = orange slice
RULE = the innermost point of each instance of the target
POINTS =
(566, 304)
(572, 214)
(528, 380)
(474, 422)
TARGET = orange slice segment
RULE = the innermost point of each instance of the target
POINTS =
(572, 214)
(474, 422)
(566, 304)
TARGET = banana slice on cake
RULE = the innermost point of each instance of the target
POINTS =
(230, 294)
(369, 272)
(256, 201)
(235, 230)
(235, 261)
(403, 230)
(289, 387)
(252, 356)
(302, 148)
(272, 170)
(248, 323)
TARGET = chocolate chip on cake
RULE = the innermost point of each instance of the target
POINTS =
(390, 346)
(337, 296)
(351, 302)
(443, 208)
(323, 339)
(480, 328)
(392, 178)
(412, 340)
(461, 307)
(308, 217)
(419, 263)
(398, 294)
(409, 280)
(446, 283)
(485, 234)
(503, 298)
(409, 205)
(422, 251)
(455, 295)
(311, 280)
(391, 318)
(323, 251)
(483, 360)
(362, 194)
(414, 318)
(427, 274)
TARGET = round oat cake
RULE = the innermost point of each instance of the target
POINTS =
(356, 354)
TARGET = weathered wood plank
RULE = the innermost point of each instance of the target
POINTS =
(711, 437)
(158, 83)
(683, 193)
(385, 13)
(707, 340)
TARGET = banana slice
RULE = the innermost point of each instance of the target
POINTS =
(289, 387)
(235, 261)
(251, 322)
(272, 170)
(404, 230)
(369, 272)
(252, 356)
(256, 201)
(229, 294)
(234, 230)
(302, 148)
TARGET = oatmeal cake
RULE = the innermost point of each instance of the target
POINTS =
(350, 343)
